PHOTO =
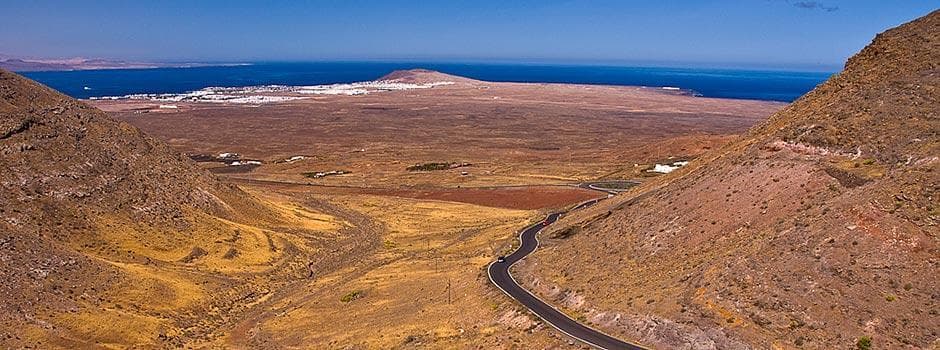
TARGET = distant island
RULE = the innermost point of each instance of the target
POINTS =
(80, 63)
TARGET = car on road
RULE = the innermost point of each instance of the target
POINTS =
(501, 259)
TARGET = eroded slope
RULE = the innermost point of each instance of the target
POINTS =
(108, 236)
(816, 229)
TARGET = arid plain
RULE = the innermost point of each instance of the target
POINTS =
(422, 210)
(485, 159)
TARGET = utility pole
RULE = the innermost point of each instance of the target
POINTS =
(448, 290)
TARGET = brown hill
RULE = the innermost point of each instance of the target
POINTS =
(108, 236)
(77, 63)
(423, 76)
(60, 151)
(817, 229)
(18, 65)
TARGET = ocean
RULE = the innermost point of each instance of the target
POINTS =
(726, 83)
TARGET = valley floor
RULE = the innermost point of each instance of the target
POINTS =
(399, 258)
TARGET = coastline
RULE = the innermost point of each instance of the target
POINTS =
(783, 86)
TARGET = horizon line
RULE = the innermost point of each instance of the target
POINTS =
(675, 64)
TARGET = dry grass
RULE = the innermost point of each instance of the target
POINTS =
(165, 287)
(757, 245)
(426, 288)
(279, 265)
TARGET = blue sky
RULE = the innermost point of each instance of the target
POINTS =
(743, 33)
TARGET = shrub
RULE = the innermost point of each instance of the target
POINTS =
(436, 166)
(799, 341)
(230, 254)
(616, 185)
(356, 294)
(429, 167)
(863, 343)
(194, 254)
(567, 232)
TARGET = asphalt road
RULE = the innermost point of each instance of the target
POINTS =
(500, 276)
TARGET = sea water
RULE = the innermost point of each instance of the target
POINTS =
(726, 83)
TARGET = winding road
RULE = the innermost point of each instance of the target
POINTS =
(499, 274)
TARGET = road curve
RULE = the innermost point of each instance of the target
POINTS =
(500, 276)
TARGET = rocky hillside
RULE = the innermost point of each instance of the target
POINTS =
(100, 223)
(60, 152)
(817, 229)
